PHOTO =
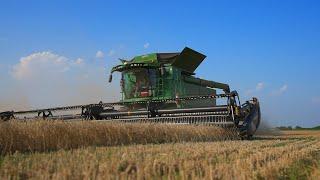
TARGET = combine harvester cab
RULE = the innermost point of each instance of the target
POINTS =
(162, 88)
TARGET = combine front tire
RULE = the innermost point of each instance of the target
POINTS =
(252, 119)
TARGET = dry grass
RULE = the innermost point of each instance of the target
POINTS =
(302, 133)
(42, 136)
(292, 158)
(291, 155)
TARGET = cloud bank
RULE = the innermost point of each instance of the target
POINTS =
(46, 79)
(41, 63)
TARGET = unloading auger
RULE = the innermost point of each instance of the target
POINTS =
(162, 88)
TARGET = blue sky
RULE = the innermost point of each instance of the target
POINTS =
(269, 49)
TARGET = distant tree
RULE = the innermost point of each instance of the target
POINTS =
(298, 127)
(316, 128)
(285, 128)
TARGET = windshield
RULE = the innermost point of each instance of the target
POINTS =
(138, 82)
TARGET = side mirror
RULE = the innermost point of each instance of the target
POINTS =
(110, 78)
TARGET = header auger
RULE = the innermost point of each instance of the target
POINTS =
(162, 88)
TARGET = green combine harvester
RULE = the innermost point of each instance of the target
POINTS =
(162, 88)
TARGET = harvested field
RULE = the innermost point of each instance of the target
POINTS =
(288, 155)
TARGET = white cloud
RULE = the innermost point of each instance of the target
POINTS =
(99, 54)
(283, 88)
(111, 52)
(146, 45)
(315, 100)
(280, 91)
(260, 86)
(40, 62)
(50, 79)
(78, 61)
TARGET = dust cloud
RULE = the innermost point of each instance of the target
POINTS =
(266, 128)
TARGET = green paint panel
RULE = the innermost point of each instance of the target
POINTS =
(149, 58)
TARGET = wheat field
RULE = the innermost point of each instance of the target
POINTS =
(44, 136)
(186, 152)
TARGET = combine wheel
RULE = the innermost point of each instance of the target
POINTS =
(252, 119)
